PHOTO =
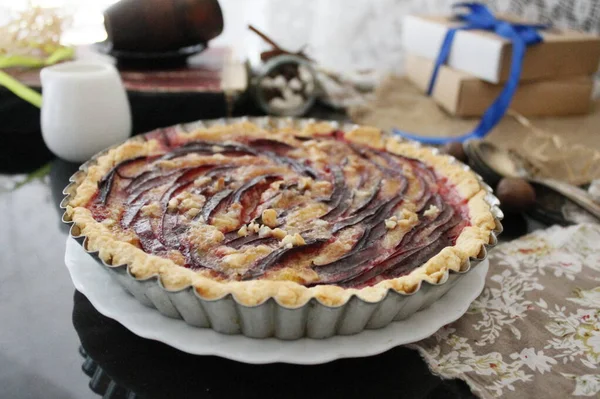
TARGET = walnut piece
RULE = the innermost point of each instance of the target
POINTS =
(432, 211)
(152, 209)
(269, 217)
(243, 231)
(264, 231)
(290, 241)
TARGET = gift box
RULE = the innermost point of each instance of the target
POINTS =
(487, 56)
(464, 95)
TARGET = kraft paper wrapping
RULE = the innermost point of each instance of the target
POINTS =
(566, 148)
(464, 95)
(487, 55)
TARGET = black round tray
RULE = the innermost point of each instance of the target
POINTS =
(150, 59)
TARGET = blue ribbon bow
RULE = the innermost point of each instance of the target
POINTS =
(521, 36)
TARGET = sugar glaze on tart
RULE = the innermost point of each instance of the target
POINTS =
(290, 214)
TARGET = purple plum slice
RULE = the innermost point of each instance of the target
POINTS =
(369, 199)
(132, 211)
(275, 146)
(271, 260)
(105, 184)
(213, 203)
(417, 259)
(250, 239)
(250, 192)
(148, 240)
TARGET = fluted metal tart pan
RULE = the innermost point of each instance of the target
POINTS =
(270, 318)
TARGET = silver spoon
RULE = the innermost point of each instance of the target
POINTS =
(505, 164)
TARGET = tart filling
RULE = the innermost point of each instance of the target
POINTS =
(283, 213)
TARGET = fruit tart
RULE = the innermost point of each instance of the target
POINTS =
(278, 216)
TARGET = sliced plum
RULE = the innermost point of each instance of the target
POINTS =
(194, 259)
(105, 184)
(417, 259)
(206, 147)
(411, 244)
(165, 136)
(369, 198)
(148, 239)
(169, 229)
(220, 169)
(250, 239)
(341, 207)
(275, 257)
(130, 162)
(341, 196)
(253, 185)
(303, 138)
(370, 210)
(276, 146)
(150, 184)
(248, 194)
(150, 179)
(297, 166)
(105, 187)
(132, 211)
(346, 267)
(358, 217)
(426, 227)
(364, 250)
(213, 203)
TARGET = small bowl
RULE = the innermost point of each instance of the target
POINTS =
(271, 85)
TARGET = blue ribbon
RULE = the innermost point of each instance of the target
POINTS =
(521, 36)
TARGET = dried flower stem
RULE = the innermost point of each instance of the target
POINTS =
(277, 49)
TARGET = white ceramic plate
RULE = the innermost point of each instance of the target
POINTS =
(112, 301)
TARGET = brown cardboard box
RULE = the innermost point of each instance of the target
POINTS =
(487, 56)
(464, 95)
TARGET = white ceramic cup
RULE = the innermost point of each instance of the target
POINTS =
(84, 109)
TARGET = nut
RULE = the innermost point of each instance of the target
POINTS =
(269, 217)
(515, 194)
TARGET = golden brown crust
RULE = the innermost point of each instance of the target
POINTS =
(116, 251)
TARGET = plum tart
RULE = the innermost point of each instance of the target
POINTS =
(287, 213)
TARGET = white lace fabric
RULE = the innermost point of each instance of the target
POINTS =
(535, 329)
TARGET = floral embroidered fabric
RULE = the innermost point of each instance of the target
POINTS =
(535, 329)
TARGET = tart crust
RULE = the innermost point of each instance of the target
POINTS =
(116, 250)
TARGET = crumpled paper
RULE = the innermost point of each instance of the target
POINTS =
(566, 148)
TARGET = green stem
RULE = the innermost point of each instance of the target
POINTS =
(36, 174)
(20, 89)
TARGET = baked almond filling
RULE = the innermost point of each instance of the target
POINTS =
(317, 210)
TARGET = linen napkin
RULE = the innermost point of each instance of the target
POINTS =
(535, 329)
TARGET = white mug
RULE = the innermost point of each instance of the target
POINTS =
(84, 109)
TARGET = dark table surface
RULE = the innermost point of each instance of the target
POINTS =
(44, 320)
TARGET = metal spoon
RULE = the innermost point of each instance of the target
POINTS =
(494, 162)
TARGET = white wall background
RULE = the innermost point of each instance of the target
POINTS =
(341, 34)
